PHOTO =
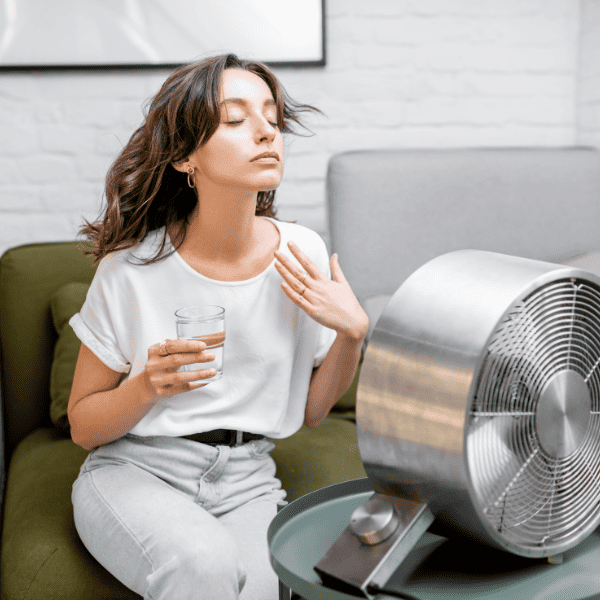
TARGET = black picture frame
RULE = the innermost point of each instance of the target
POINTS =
(33, 66)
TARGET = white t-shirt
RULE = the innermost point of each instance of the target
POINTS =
(271, 345)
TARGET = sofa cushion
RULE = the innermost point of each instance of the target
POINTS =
(64, 303)
(315, 458)
(426, 202)
(590, 261)
(42, 555)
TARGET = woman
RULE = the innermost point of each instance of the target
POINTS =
(167, 501)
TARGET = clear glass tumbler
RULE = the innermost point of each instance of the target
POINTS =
(205, 323)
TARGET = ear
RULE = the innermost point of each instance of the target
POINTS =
(182, 166)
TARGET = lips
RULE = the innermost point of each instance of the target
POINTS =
(268, 155)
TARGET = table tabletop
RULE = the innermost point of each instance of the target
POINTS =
(457, 568)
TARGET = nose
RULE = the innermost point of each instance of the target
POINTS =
(264, 130)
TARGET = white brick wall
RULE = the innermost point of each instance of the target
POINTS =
(588, 90)
(400, 73)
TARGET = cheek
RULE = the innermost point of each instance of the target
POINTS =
(228, 158)
(221, 155)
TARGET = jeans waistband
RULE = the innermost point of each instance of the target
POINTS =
(223, 437)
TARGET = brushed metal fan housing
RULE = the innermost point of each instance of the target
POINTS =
(479, 394)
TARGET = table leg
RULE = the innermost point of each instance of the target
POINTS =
(284, 591)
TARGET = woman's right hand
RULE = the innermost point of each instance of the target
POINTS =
(161, 374)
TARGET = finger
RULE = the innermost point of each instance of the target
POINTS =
(306, 262)
(290, 279)
(175, 361)
(192, 376)
(178, 346)
(295, 297)
(336, 270)
(176, 378)
(290, 267)
(190, 359)
(184, 387)
(195, 386)
(213, 340)
(185, 345)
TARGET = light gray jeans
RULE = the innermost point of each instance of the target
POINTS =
(175, 519)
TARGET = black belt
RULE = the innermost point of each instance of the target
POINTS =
(223, 437)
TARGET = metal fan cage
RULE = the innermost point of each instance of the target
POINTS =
(531, 492)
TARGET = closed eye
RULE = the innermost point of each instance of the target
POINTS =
(238, 122)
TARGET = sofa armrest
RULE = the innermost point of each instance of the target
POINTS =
(2, 459)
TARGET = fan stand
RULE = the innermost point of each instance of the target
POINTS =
(380, 535)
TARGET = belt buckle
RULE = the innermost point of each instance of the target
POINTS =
(237, 438)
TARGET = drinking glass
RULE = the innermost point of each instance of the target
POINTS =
(205, 323)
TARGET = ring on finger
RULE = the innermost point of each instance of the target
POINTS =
(302, 292)
(162, 349)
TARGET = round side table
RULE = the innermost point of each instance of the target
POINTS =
(452, 569)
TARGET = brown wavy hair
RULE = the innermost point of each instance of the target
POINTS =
(143, 190)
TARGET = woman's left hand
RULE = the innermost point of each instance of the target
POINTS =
(330, 302)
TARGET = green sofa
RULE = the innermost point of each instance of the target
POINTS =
(41, 285)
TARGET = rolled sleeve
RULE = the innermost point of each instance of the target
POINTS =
(100, 324)
(108, 357)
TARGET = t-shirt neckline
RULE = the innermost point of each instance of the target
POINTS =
(262, 274)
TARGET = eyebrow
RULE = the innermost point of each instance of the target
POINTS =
(269, 102)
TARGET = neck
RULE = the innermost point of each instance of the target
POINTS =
(222, 226)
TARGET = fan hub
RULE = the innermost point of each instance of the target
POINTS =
(563, 413)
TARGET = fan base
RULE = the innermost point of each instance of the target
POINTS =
(353, 565)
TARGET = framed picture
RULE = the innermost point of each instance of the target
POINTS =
(117, 34)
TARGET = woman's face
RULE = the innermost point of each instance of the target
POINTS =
(248, 129)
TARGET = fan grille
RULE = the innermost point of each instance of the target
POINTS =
(530, 493)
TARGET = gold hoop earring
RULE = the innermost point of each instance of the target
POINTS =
(190, 173)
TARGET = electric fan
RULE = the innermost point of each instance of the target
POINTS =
(478, 411)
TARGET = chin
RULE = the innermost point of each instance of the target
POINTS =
(269, 188)
(269, 185)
